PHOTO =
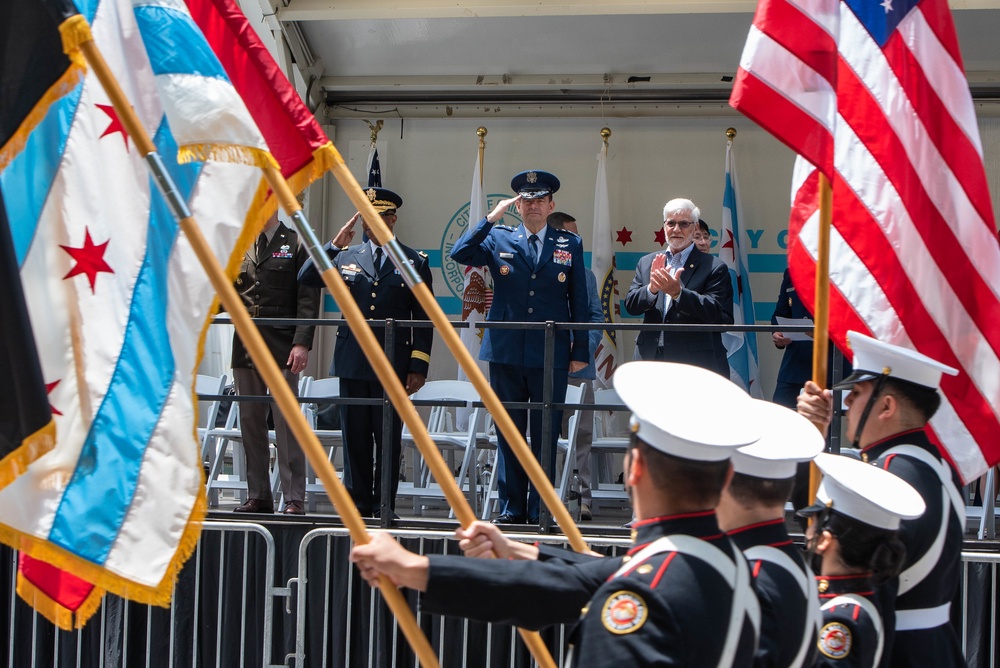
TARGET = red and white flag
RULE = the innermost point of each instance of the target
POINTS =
(875, 97)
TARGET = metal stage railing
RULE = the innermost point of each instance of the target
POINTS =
(547, 405)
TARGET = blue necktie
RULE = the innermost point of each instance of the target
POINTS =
(532, 240)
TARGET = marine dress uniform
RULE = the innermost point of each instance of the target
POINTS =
(266, 285)
(782, 580)
(552, 287)
(854, 625)
(932, 570)
(680, 597)
(381, 293)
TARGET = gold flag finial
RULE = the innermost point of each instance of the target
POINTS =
(731, 133)
(605, 133)
(481, 133)
(375, 128)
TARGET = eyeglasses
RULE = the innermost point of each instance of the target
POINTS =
(386, 214)
(682, 224)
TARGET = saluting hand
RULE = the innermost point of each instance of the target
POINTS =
(346, 233)
(498, 211)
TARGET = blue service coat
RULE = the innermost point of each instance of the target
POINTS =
(556, 290)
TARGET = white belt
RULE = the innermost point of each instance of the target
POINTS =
(924, 618)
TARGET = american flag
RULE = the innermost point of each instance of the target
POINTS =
(874, 96)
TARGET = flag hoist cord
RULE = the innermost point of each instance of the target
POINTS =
(286, 400)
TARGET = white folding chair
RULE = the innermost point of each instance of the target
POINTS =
(610, 438)
(440, 427)
(565, 446)
(208, 411)
(218, 441)
(330, 439)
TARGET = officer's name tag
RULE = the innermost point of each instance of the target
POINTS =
(562, 257)
(506, 256)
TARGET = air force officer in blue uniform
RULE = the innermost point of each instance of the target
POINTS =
(538, 275)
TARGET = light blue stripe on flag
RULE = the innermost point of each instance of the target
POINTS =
(100, 492)
(28, 178)
(175, 44)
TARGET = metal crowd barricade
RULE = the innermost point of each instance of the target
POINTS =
(347, 603)
(210, 597)
(223, 611)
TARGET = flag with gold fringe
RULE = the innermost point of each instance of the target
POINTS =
(295, 139)
(119, 301)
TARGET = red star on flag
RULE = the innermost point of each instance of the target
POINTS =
(660, 236)
(624, 235)
(89, 259)
(730, 242)
(116, 123)
(48, 390)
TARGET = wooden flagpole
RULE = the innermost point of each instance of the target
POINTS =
(259, 353)
(389, 380)
(821, 323)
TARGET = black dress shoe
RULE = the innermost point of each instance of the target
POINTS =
(507, 518)
(532, 520)
(255, 506)
(377, 514)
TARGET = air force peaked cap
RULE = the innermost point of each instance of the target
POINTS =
(534, 183)
(686, 411)
(786, 439)
(383, 199)
(865, 493)
(873, 358)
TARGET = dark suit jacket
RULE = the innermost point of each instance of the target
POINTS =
(556, 290)
(268, 289)
(380, 295)
(706, 298)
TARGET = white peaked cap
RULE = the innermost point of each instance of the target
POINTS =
(873, 358)
(686, 411)
(786, 439)
(866, 493)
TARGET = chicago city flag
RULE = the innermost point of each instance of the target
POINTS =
(116, 297)
(741, 347)
(874, 96)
